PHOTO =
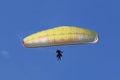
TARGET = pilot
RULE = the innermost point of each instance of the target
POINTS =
(59, 54)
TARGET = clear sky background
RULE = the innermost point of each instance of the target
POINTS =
(19, 18)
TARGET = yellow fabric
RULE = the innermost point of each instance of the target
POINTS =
(59, 33)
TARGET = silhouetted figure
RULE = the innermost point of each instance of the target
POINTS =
(59, 54)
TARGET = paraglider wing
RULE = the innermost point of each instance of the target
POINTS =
(61, 35)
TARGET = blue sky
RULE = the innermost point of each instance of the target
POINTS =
(100, 61)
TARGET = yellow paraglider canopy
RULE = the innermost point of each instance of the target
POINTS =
(60, 36)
